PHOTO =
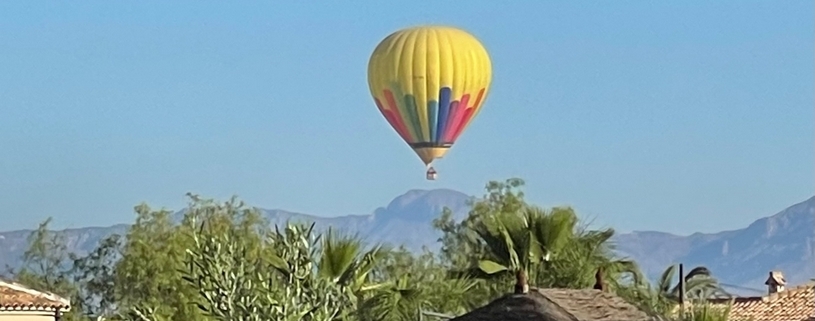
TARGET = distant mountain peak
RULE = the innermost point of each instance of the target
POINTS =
(418, 204)
(423, 195)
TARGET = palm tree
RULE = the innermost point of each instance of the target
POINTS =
(699, 284)
(578, 261)
(411, 284)
(342, 261)
(517, 241)
(663, 296)
(553, 230)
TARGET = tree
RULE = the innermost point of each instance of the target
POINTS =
(512, 242)
(519, 241)
(46, 266)
(222, 261)
(460, 244)
(96, 278)
(413, 284)
(663, 296)
(343, 262)
(699, 284)
(271, 277)
(148, 277)
(588, 251)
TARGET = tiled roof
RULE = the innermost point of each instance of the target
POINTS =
(794, 304)
(557, 305)
(14, 296)
(594, 305)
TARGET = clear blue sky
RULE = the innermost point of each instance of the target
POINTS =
(676, 116)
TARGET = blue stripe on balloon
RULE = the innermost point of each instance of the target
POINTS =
(432, 108)
(444, 112)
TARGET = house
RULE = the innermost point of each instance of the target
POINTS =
(558, 305)
(779, 304)
(19, 303)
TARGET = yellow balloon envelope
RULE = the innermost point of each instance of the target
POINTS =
(429, 82)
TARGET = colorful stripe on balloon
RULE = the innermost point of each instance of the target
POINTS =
(447, 116)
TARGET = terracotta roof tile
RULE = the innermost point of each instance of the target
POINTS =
(14, 296)
(557, 305)
(591, 304)
(794, 304)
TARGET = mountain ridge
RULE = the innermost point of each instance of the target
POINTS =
(741, 257)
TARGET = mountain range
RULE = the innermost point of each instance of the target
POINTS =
(741, 258)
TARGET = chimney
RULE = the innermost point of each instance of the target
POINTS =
(599, 283)
(776, 282)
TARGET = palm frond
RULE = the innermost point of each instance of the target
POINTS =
(552, 230)
(666, 280)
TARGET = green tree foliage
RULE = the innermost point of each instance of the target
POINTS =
(47, 266)
(663, 296)
(343, 262)
(414, 283)
(271, 278)
(222, 261)
(95, 275)
(507, 242)
(148, 274)
(46, 262)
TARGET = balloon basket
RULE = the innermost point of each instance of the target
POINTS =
(431, 174)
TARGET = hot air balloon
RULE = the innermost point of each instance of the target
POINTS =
(429, 82)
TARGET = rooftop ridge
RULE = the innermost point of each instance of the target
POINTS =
(802, 288)
(793, 304)
(41, 294)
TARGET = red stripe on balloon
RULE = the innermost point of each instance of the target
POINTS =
(397, 117)
(462, 110)
(390, 117)
(468, 114)
(457, 114)
(450, 121)
(401, 131)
